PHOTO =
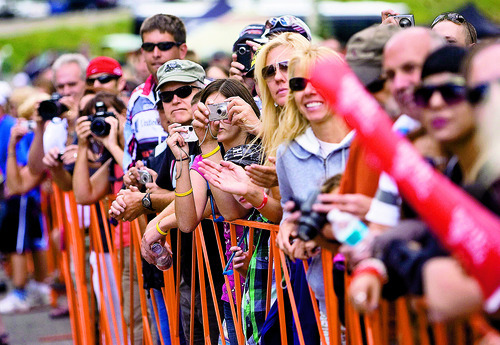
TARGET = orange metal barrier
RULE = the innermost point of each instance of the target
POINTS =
(411, 324)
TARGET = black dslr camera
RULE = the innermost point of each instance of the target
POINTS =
(52, 107)
(98, 124)
(310, 222)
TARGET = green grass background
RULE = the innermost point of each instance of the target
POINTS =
(73, 37)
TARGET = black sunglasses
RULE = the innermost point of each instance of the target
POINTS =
(163, 46)
(298, 83)
(182, 92)
(451, 93)
(103, 79)
(477, 94)
(270, 71)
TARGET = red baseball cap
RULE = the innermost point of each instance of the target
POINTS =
(104, 64)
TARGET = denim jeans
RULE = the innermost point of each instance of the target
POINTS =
(228, 316)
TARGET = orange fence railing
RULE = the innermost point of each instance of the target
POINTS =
(396, 322)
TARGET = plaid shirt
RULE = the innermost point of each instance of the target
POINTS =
(254, 301)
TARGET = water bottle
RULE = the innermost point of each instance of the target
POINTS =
(348, 228)
(164, 259)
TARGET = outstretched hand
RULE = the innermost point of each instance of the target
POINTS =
(226, 176)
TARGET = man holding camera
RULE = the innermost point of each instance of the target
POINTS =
(51, 132)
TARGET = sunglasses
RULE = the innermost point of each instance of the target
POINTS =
(163, 46)
(298, 83)
(181, 92)
(285, 21)
(451, 94)
(103, 79)
(270, 71)
(477, 94)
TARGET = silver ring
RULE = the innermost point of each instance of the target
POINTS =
(360, 298)
(75, 155)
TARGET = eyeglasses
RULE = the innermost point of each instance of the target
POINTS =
(270, 71)
(298, 83)
(450, 92)
(182, 92)
(163, 46)
(477, 94)
(103, 79)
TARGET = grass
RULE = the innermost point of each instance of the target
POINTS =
(62, 38)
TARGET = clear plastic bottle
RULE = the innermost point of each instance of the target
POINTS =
(164, 259)
(348, 228)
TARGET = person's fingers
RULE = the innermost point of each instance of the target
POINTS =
(234, 248)
(120, 204)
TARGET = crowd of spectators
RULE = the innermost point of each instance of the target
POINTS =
(251, 138)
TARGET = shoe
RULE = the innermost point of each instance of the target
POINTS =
(38, 294)
(13, 303)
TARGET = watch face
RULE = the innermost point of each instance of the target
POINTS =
(146, 202)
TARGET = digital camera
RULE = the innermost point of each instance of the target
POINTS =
(244, 55)
(144, 177)
(190, 135)
(30, 125)
(218, 111)
(98, 124)
(404, 20)
(51, 108)
(310, 222)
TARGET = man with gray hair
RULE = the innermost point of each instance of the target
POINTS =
(69, 81)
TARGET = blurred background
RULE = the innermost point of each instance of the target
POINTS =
(33, 32)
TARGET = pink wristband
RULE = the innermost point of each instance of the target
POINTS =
(264, 202)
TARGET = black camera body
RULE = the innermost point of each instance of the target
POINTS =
(244, 55)
(51, 108)
(404, 20)
(98, 124)
(310, 222)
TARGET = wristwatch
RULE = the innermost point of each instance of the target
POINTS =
(146, 202)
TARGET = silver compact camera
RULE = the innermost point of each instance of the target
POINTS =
(218, 111)
(190, 135)
(144, 177)
(30, 125)
(404, 20)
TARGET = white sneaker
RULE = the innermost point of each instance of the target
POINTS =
(38, 294)
(12, 303)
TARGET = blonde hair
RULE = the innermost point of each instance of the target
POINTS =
(27, 108)
(294, 123)
(272, 114)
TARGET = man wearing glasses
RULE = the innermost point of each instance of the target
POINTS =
(163, 39)
(105, 73)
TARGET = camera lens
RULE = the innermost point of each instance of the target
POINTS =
(242, 50)
(100, 127)
(404, 22)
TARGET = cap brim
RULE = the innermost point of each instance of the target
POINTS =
(367, 74)
(180, 79)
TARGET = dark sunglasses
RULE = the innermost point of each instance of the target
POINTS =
(103, 79)
(477, 94)
(298, 83)
(163, 46)
(451, 93)
(454, 17)
(270, 71)
(182, 92)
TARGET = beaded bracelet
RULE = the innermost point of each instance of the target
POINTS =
(159, 230)
(211, 153)
(185, 193)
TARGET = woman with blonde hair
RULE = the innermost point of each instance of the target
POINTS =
(271, 74)
(315, 147)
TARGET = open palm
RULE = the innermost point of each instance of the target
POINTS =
(227, 176)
